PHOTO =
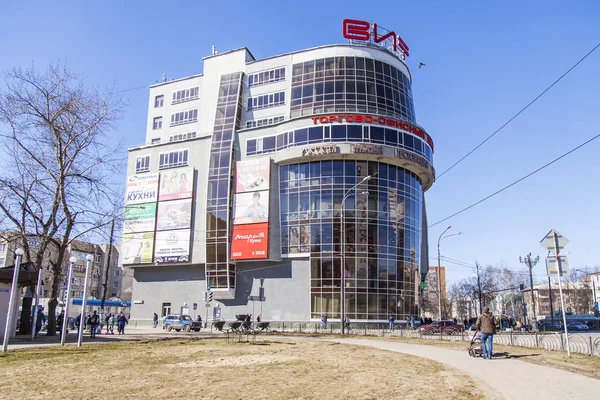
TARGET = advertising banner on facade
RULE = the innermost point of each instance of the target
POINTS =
(172, 246)
(136, 248)
(299, 239)
(176, 184)
(139, 218)
(250, 242)
(176, 214)
(252, 175)
(251, 208)
(142, 189)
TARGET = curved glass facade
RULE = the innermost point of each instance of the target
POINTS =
(351, 84)
(339, 133)
(382, 224)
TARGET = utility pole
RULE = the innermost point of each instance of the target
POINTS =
(551, 305)
(479, 290)
(108, 259)
(531, 263)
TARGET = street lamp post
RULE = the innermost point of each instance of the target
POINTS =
(343, 240)
(439, 278)
(13, 298)
(67, 300)
(88, 259)
(531, 263)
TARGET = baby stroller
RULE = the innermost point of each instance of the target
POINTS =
(475, 349)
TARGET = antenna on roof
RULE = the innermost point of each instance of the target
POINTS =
(164, 79)
(214, 50)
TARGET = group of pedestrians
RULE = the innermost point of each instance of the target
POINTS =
(94, 324)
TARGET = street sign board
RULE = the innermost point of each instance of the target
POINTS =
(208, 287)
(595, 306)
(256, 298)
(552, 266)
(548, 241)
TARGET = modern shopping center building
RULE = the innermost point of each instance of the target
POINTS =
(307, 169)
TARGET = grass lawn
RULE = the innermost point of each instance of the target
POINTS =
(274, 368)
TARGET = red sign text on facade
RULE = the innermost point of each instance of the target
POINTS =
(354, 29)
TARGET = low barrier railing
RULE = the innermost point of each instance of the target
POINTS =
(554, 341)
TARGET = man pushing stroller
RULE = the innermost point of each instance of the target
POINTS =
(487, 326)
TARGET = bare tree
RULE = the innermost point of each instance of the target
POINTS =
(58, 182)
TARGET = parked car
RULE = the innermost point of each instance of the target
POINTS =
(179, 322)
(446, 327)
(577, 326)
(547, 326)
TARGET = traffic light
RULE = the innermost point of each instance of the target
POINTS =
(210, 297)
(422, 285)
(521, 286)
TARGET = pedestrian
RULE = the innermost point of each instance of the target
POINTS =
(59, 323)
(155, 320)
(40, 321)
(412, 322)
(77, 322)
(121, 322)
(347, 322)
(391, 321)
(485, 324)
(106, 322)
(94, 322)
(258, 319)
(199, 319)
(111, 324)
(324, 322)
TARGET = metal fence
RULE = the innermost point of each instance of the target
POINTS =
(555, 341)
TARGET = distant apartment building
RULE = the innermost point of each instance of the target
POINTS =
(118, 281)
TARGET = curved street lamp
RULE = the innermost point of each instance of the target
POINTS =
(439, 279)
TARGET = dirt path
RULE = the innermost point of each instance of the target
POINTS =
(507, 378)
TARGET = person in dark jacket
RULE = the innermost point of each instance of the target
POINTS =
(486, 325)
(94, 322)
(121, 321)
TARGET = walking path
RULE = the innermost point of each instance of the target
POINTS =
(499, 378)
(502, 378)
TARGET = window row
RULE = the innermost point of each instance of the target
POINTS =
(183, 95)
(182, 136)
(264, 77)
(184, 117)
(175, 158)
(339, 133)
(266, 100)
(349, 66)
(142, 164)
(264, 122)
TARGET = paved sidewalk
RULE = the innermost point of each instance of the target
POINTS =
(502, 378)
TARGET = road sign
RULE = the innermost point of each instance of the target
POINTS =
(552, 266)
(208, 288)
(548, 241)
(595, 306)
(257, 298)
(195, 306)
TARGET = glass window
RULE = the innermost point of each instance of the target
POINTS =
(301, 136)
(157, 123)
(338, 133)
(377, 134)
(315, 135)
(354, 133)
(269, 143)
(391, 137)
(158, 101)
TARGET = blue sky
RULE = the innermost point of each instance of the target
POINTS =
(484, 62)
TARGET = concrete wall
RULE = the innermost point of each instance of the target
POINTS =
(286, 289)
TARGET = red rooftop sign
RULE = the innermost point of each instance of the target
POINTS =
(355, 29)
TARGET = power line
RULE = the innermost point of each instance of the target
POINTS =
(517, 181)
(518, 113)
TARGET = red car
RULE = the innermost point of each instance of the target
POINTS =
(445, 327)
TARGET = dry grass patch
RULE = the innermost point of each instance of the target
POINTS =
(212, 369)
